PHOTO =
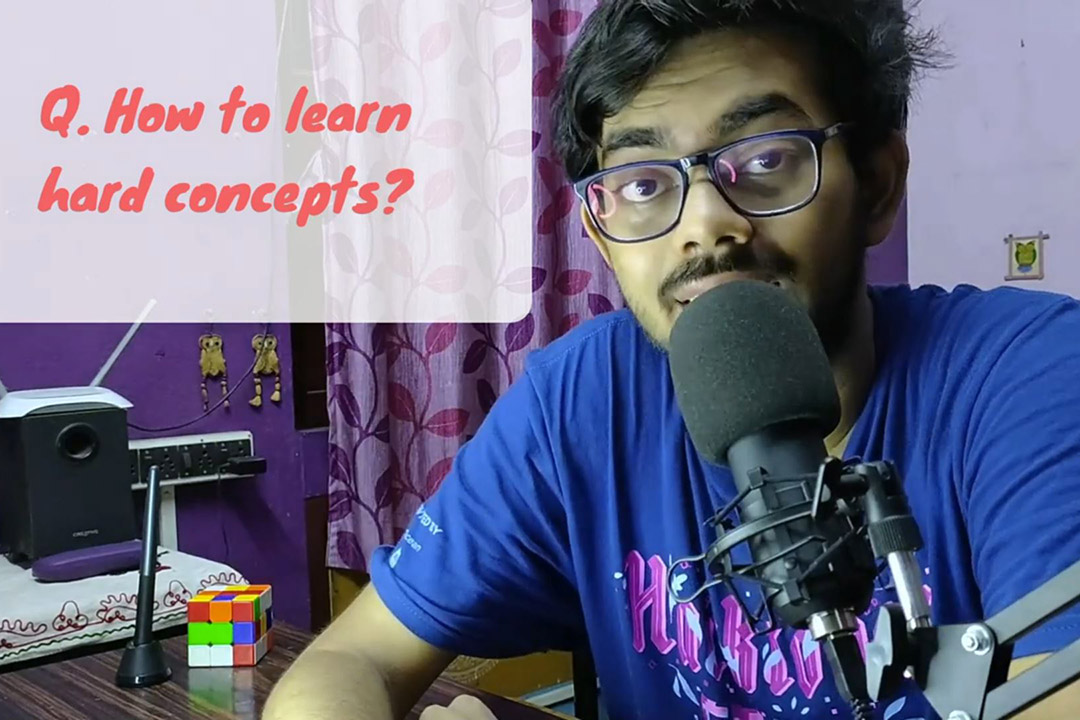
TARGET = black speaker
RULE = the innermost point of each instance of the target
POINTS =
(65, 473)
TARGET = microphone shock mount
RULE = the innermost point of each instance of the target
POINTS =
(847, 523)
(813, 557)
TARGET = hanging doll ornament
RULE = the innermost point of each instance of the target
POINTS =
(266, 363)
(212, 365)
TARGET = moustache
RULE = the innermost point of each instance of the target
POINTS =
(741, 259)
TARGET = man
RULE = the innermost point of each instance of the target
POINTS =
(561, 517)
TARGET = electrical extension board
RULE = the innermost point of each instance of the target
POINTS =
(188, 458)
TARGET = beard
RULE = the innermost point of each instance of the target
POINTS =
(831, 307)
(833, 314)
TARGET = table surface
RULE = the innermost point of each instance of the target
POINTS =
(83, 688)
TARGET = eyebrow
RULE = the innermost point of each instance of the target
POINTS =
(753, 109)
(744, 113)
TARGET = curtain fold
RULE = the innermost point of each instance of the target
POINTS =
(403, 398)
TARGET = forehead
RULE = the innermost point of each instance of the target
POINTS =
(711, 75)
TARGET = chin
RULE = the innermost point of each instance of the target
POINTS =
(656, 323)
(660, 332)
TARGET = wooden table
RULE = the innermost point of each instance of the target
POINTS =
(82, 688)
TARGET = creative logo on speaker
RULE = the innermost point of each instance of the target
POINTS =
(85, 533)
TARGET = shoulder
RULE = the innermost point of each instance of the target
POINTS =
(967, 319)
(593, 348)
(934, 302)
(570, 371)
(578, 378)
(598, 333)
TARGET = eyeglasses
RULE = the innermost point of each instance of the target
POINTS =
(760, 176)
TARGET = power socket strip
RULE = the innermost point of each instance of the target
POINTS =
(188, 458)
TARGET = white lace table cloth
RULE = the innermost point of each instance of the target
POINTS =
(39, 619)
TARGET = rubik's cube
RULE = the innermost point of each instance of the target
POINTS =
(230, 626)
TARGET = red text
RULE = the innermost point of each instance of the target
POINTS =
(345, 117)
(88, 196)
(150, 118)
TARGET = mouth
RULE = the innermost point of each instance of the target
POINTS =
(691, 291)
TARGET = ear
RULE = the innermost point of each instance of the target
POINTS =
(885, 186)
(595, 236)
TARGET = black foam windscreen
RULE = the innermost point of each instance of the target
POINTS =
(744, 356)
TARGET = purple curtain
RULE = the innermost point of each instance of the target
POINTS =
(403, 398)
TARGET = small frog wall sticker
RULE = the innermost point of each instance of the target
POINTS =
(1025, 257)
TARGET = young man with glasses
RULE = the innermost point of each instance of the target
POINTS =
(710, 140)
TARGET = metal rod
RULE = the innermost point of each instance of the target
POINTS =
(1038, 606)
(144, 617)
(908, 581)
(1034, 684)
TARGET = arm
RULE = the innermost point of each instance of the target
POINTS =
(365, 666)
(483, 570)
(1023, 467)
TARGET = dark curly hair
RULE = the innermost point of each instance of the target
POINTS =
(868, 54)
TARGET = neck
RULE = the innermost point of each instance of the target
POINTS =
(853, 370)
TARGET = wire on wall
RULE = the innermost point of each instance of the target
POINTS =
(210, 411)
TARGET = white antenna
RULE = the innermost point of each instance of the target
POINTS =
(100, 377)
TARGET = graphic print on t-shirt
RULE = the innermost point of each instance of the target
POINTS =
(714, 659)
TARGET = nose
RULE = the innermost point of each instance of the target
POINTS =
(708, 220)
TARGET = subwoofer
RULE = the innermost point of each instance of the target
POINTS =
(65, 474)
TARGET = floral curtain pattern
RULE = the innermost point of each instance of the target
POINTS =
(404, 398)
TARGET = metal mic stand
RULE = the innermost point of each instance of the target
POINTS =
(962, 670)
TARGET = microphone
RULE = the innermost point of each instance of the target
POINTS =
(757, 394)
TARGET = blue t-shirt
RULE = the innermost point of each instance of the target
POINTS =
(560, 518)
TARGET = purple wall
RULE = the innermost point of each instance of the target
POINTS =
(255, 525)
(887, 264)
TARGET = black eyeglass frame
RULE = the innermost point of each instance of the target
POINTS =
(817, 137)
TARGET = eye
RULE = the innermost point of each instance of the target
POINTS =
(644, 189)
(639, 190)
(765, 162)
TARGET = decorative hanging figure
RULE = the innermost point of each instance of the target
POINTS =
(212, 365)
(266, 363)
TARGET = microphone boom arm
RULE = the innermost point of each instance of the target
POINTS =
(961, 669)
(951, 661)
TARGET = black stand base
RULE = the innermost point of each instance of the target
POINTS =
(142, 666)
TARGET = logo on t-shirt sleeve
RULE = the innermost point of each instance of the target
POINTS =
(424, 526)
